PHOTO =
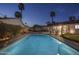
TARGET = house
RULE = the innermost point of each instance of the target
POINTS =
(14, 21)
(60, 28)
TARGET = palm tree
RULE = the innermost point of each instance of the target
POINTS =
(52, 14)
(18, 14)
(21, 8)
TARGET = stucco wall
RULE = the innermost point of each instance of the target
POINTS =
(62, 29)
(12, 21)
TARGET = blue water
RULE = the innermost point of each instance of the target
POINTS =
(38, 45)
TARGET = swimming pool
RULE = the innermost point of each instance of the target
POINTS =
(38, 44)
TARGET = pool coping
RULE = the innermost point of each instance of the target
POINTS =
(62, 42)
(17, 41)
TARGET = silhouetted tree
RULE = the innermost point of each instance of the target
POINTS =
(21, 7)
(72, 18)
(36, 27)
(18, 14)
(5, 16)
(52, 14)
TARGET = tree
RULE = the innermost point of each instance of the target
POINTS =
(52, 14)
(2, 30)
(21, 7)
(72, 18)
(18, 14)
(37, 27)
(9, 30)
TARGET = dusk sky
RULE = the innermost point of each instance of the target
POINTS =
(40, 13)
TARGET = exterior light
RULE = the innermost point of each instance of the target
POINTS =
(72, 31)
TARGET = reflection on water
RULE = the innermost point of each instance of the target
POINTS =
(39, 45)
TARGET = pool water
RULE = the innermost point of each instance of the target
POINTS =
(38, 44)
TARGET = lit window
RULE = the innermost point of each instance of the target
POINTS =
(76, 26)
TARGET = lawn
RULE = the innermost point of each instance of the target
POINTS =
(71, 37)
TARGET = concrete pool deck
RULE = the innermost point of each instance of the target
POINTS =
(72, 44)
(38, 45)
(13, 40)
(39, 41)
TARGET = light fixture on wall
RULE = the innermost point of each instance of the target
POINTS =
(72, 31)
